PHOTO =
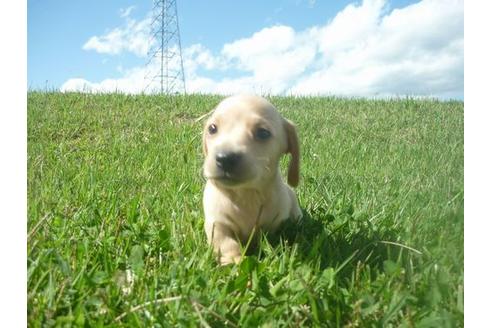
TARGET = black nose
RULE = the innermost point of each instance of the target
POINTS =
(227, 161)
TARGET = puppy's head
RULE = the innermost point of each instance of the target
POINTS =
(243, 141)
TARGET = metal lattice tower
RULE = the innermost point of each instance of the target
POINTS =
(165, 70)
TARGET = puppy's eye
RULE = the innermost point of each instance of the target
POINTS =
(212, 129)
(262, 134)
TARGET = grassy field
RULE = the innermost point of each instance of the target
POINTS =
(115, 221)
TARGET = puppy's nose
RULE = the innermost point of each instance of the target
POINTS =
(227, 161)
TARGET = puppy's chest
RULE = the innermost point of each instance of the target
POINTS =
(248, 212)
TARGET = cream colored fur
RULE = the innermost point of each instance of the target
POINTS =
(251, 196)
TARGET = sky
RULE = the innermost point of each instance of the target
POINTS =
(370, 48)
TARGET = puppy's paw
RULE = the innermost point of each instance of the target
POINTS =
(226, 260)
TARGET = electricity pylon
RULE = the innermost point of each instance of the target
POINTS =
(165, 70)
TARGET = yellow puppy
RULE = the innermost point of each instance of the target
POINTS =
(243, 141)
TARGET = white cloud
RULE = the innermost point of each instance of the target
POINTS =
(309, 3)
(125, 12)
(132, 82)
(365, 50)
(350, 28)
(414, 50)
(133, 37)
(197, 56)
(274, 56)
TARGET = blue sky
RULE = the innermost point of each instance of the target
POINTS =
(361, 48)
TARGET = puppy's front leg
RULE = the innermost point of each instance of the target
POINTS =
(225, 244)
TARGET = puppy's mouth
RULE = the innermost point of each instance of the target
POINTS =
(224, 178)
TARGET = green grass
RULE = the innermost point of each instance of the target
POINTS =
(115, 186)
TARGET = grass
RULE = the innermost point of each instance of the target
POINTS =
(115, 222)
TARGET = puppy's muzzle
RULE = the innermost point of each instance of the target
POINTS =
(227, 161)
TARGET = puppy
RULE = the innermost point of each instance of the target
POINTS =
(243, 141)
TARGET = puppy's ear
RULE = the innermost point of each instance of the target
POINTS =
(293, 149)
